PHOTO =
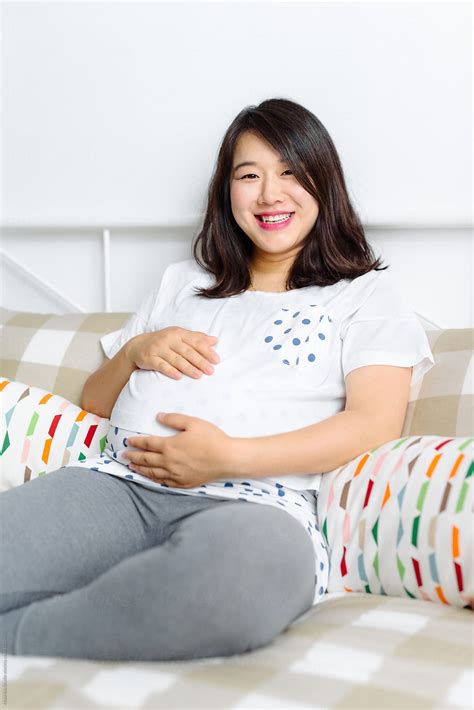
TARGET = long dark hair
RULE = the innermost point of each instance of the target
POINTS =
(334, 249)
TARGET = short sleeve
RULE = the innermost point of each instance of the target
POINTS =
(140, 322)
(384, 330)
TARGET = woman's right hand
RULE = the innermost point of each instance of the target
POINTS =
(174, 351)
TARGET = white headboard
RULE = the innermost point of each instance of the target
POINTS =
(86, 269)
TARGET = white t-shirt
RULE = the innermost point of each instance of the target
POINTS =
(283, 360)
(283, 356)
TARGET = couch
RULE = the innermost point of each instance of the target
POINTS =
(395, 628)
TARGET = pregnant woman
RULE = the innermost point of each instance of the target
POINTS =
(281, 351)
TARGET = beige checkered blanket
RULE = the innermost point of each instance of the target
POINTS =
(350, 651)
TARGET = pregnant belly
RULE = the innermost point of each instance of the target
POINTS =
(259, 406)
(149, 392)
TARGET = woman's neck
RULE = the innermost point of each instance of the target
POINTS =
(264, 286)
(267, 280)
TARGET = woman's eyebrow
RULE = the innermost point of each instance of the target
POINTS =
(250, 162)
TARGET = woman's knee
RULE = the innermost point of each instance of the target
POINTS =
(256, 566)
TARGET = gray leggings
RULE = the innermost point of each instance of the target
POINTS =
(94, 566)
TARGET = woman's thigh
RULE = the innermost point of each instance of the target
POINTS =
(62, 530)
(228, 580)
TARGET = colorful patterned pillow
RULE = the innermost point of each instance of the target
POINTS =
(398, 520)
(40, 432)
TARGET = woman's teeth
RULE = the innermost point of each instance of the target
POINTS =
(278, 218)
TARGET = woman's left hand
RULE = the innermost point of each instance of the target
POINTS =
(199, 453)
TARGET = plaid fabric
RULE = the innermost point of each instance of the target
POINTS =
(54, 352)
(443, 402)
(350, 651)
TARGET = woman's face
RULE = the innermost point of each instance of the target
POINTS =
(268, 187)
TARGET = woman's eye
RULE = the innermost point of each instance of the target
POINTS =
(253, 174)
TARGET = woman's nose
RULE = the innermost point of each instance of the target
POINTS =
(270, 191)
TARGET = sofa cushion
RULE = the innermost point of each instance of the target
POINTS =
(40, 432)
(59, 352)
(443, 402)
(54, 352)
(398, 520)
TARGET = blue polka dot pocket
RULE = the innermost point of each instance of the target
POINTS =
(301, 340)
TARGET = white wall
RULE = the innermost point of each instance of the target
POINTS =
(113, 113)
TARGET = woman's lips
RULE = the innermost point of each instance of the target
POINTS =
(275, 225)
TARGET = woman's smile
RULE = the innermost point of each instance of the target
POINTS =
(275, 223)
